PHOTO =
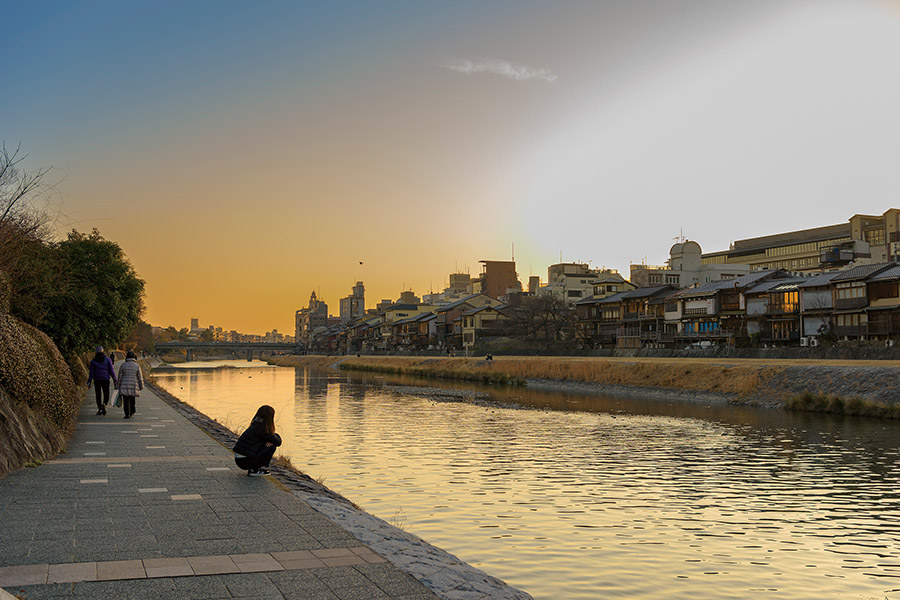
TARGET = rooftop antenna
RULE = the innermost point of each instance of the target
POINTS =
(514, 252)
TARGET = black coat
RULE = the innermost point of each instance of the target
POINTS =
(253, 441)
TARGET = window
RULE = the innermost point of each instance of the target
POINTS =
(574, 293)
(673, 279)
(782, 330)
(846, 291)
(883, 289)
(847, 320)
(784, 301)
(875, 237)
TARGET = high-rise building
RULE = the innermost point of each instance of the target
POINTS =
(354, 305)
(498, 277)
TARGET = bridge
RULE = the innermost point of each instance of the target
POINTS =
(249, 347)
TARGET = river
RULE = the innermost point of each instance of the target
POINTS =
(583, 497)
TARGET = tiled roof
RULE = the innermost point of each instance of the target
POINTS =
(861, 272)
(744, 281)
(890, 273)
(820, 280)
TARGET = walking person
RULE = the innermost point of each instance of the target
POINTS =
(256, 446)
(100, 371)
(131, 382)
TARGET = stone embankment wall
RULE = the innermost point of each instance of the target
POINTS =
(38, 395)
(742, 381)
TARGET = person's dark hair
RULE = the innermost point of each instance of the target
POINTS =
(130, 354)
(99, 357)
(267, 414)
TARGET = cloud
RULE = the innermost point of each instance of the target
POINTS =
(500, 67)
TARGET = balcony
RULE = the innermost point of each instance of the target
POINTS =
(849, 303)
(696, 312)
(700, 335)
(782, 309)
(851, 330)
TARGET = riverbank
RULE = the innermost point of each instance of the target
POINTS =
(849, 387)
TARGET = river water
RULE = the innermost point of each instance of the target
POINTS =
(584, 497)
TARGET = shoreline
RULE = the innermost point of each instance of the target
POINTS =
(858, 388)
(441, 572)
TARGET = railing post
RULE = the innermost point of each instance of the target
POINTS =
(249, 354)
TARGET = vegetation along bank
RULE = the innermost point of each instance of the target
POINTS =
(867, 388)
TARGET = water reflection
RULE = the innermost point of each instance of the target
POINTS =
(589, 497)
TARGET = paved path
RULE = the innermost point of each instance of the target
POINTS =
(152, 507)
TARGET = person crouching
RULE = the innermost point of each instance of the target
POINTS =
(256, 446)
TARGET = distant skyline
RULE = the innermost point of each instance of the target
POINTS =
(246, 155)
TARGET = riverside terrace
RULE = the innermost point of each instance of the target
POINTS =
(154, 507)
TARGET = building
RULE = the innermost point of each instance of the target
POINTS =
(353, 306)
(498, 277)
(863, 239)
(481, 324)
(685, 268)
(574, 282)
(310, 319)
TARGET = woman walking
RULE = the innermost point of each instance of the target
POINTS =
(100, 371)
(256, 446)
(131, 382)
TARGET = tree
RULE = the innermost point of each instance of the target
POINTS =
(102, 299)
(543, 317)
(25, 253)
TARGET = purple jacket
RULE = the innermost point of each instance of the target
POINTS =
(101, 371)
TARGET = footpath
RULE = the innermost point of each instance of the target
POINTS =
(153, 508)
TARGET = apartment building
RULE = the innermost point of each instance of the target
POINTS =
(863, 239)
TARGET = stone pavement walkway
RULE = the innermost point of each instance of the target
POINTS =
(152, 507)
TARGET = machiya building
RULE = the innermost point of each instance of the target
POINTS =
(864, 239)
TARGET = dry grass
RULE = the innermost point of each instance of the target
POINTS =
(838, 405)
(688, 375)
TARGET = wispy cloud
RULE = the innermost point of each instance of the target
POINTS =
(503, 68)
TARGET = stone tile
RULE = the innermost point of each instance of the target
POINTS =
(91, 481)
(344, 561)
(250, 585)
(186, 497)
(119, 466)
(120, 569)
(254, 563)
(303, 563)
(23, 575)
(152, 490)
(292, 555)
(333, 553)
(212, 565)
(201, 588)
(167, 567)
(71, 572)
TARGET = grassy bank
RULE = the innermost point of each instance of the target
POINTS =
(839, 405)
(732, 380)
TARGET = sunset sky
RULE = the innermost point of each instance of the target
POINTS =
(246, 154)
